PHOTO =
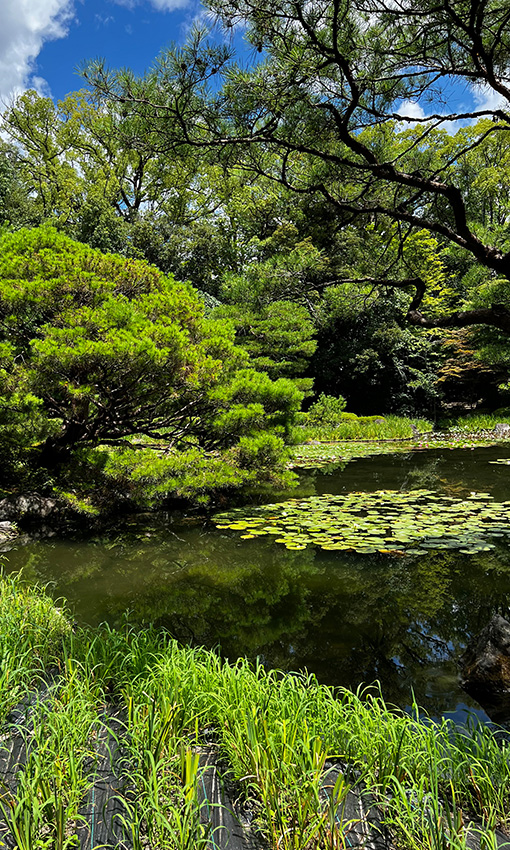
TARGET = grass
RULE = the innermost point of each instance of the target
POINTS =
(356, 437)
(361, 428)
(478, 422)
(364, 428)
(31, 631)
(276, 734)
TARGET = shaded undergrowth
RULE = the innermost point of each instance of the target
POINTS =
(274, 733)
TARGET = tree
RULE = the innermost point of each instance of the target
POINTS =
(17, 207)
(128, 378)
(85, 173)
(330, 111)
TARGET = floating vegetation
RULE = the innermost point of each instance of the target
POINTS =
(316, 455)
(504, 460)
(388, 521)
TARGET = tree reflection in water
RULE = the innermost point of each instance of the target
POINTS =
(348, 618)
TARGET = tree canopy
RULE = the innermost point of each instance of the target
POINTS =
(329, 200)
(122, 368)
(349, 102)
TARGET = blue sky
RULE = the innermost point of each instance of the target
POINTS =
(42, 42)
(131, 35)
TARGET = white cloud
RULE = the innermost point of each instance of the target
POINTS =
(40, 85)
(410, 109)
(158, 5)
(103, 20)
(168, 5)
(24, 27)
(486, 98)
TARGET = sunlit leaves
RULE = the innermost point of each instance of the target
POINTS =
(112, 353)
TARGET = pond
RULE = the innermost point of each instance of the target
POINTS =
(349, 618)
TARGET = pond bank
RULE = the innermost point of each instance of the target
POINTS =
(52, 512)
(348, 617)
(275, 735)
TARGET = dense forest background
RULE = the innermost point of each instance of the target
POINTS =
(335, 243)
(288, 271)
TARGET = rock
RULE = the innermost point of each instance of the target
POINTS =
(32, 506)
(8, 533)
(502, 429)
(485, 668)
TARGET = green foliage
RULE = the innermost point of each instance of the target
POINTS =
(474, 422)
(22, 420)
(99, 350)
(284, 267)
(17, 207)
(277, 337)
(351, 427)
(327, 410)
(370, 358)
(273, 732)
(313, 279)
(327, 110)
(147, 479)
(265, 303)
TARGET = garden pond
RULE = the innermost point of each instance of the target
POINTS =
(380, 569)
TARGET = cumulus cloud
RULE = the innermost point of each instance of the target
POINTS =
(486, 98)
(158, 5)
(410, 109)
(24, 27)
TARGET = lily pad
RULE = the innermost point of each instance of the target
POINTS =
(385, 521)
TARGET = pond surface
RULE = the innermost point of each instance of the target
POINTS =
(349, 618)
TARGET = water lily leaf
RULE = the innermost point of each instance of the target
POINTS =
(386, 521)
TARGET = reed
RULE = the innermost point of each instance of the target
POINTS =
(477, 422)
(276, 734)
(363, 428)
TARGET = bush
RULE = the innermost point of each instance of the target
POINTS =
(327, 410)
(99, 353)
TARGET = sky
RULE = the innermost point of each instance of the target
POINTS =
(43, 42)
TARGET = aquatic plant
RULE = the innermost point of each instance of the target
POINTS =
(317, 454)
(279, 736)
(383, 521)
(351, 427)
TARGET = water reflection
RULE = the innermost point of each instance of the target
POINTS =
(349, 618)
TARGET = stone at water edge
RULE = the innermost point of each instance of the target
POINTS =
(485, 668)
(8, 531)
(502, 428)
(31, 505)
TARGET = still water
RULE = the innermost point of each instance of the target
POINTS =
(348, 618)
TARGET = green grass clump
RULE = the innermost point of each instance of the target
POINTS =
(31, 632)
(274, 733)
(364, 428)
(478, 422)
